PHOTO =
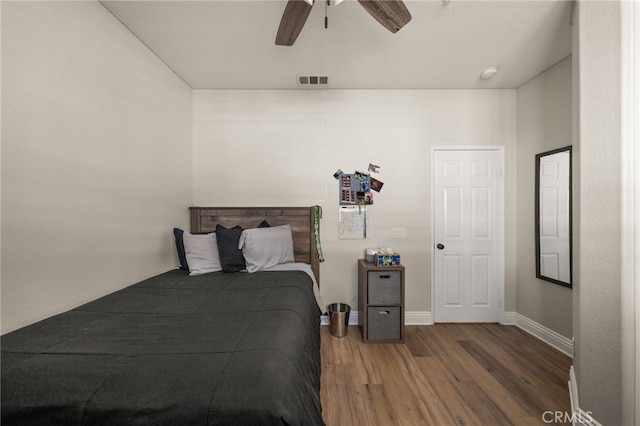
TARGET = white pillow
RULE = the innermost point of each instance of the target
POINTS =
(263, 248)
(202, 254)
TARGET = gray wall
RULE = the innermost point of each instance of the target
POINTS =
(596, 299)
(96, 158)
(298, 139)
(544, 123)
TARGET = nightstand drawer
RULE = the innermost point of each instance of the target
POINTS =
(385, 288)
(384, 323)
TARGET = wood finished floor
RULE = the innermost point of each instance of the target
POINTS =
(444, 374)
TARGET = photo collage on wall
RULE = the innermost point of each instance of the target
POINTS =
(356, 188)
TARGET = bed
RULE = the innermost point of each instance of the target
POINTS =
(181, 348)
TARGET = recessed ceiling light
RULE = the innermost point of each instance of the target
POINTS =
(489, 73)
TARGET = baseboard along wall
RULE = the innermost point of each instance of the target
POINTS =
(559, 342)
(579, 417)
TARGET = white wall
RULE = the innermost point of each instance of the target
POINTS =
(630, 154)
(597, 301)
(298, 139)
(544, 123)
(96, 158)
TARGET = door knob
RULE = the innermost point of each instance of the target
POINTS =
(440, 246)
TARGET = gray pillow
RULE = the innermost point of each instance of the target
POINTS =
(264, 248)
(201, 251)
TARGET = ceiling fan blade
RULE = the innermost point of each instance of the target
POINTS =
(293, 19)
(392, 14)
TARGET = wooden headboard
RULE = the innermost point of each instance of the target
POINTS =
(205, 219)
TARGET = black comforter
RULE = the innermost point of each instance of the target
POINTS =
(211, 349)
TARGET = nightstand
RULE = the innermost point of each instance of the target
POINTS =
(380, 302)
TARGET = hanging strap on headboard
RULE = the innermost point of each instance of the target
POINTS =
(317, 215)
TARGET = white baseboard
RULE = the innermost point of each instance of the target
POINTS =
(561, 343)
(573, 390)
(584, 418)
(579, 416)
(418, 318)
(410, 318)
(509, 318)
(353, 318)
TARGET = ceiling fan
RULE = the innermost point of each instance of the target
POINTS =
(392, 14)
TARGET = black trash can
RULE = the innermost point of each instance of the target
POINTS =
(339, 319)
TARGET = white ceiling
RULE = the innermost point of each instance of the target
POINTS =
(217, 44)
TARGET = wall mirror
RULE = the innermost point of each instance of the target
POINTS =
(553, 216)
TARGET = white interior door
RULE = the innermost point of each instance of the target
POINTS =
(468, 229)
(555, 242)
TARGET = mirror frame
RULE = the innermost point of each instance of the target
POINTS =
(537, 217)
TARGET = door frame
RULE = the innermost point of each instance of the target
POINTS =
(500, 230)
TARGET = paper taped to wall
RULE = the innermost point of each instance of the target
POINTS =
(353, 222)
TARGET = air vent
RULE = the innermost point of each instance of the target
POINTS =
(313, 81)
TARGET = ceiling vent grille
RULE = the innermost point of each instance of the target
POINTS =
(313, 81)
